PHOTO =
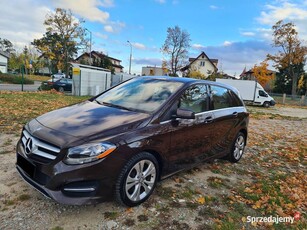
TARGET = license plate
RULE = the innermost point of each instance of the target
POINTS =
(27, 167)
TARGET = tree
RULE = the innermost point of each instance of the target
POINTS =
(63, 38)
(6, 45)
(292, 51)
(52, 50)
(283, 81)
(213, 76)
(262, 74)
(176, 47)
(196, 74)
(302, 84)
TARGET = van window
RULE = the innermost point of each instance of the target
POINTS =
(262, 93)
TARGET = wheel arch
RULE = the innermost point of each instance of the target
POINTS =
(244, 131)
(159, 159)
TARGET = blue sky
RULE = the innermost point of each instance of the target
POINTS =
(236, 32)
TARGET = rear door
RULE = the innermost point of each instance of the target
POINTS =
(227, 113)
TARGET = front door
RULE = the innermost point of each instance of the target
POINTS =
(191, 138)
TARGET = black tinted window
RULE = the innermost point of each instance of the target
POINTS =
(262, 93)
(195, 98)
(236, 101)
(221, 97)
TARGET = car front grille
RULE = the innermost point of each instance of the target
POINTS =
(38, 150)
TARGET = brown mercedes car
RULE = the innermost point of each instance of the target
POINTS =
(121, 142)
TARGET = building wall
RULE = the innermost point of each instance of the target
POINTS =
(203, 65)
(152, 71)
(3, 63)
(86, 59)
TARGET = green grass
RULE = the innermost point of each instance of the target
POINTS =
(111, 215)
(38, 77)
(24, 197)
(216, 182)
(57, 228)
(7, 142)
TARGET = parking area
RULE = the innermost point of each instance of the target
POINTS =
(211, 196)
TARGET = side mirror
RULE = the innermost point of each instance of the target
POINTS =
(185, 114)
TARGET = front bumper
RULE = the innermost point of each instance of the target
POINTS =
(58, 196)
(66, 184)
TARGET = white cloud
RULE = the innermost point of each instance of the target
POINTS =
(114, 27)
(107, 3)
(198, 47)
(213, 7)
(160, 1)
(109, 28)
(87, 9)
(248, 34)
(227, 43)
(100, 35)
(287, 11)
(22, 26)
(139, 46)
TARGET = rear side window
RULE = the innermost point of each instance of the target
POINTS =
(235, 99)
(221, 98)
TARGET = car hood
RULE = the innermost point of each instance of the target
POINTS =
(87, 120)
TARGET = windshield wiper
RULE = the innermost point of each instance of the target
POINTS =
(98, 102)
(115, 106)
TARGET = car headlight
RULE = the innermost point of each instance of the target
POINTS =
(88, 153)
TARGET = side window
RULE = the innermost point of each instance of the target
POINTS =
(236, 100)
(262, 93)
(221, 97)
(195, 98)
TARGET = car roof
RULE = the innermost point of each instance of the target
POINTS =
(189, 81)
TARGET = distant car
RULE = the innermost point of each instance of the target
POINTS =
(55, 77)
(63, 85)
(58, 75)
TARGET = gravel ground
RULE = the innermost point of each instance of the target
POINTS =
(22, 207)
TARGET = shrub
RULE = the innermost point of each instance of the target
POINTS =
(13, 79)
(44, 86)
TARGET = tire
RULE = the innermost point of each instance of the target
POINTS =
(137, 179)
(61, 89)
(266, 104)
(237, 149)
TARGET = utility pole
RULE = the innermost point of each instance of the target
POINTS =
(90, 45)
(130, 56)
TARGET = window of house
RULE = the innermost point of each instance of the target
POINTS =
(202, 63)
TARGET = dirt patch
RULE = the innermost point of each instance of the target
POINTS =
(297, 112)
(212, 196)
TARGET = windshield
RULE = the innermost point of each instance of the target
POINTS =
(140, 94)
